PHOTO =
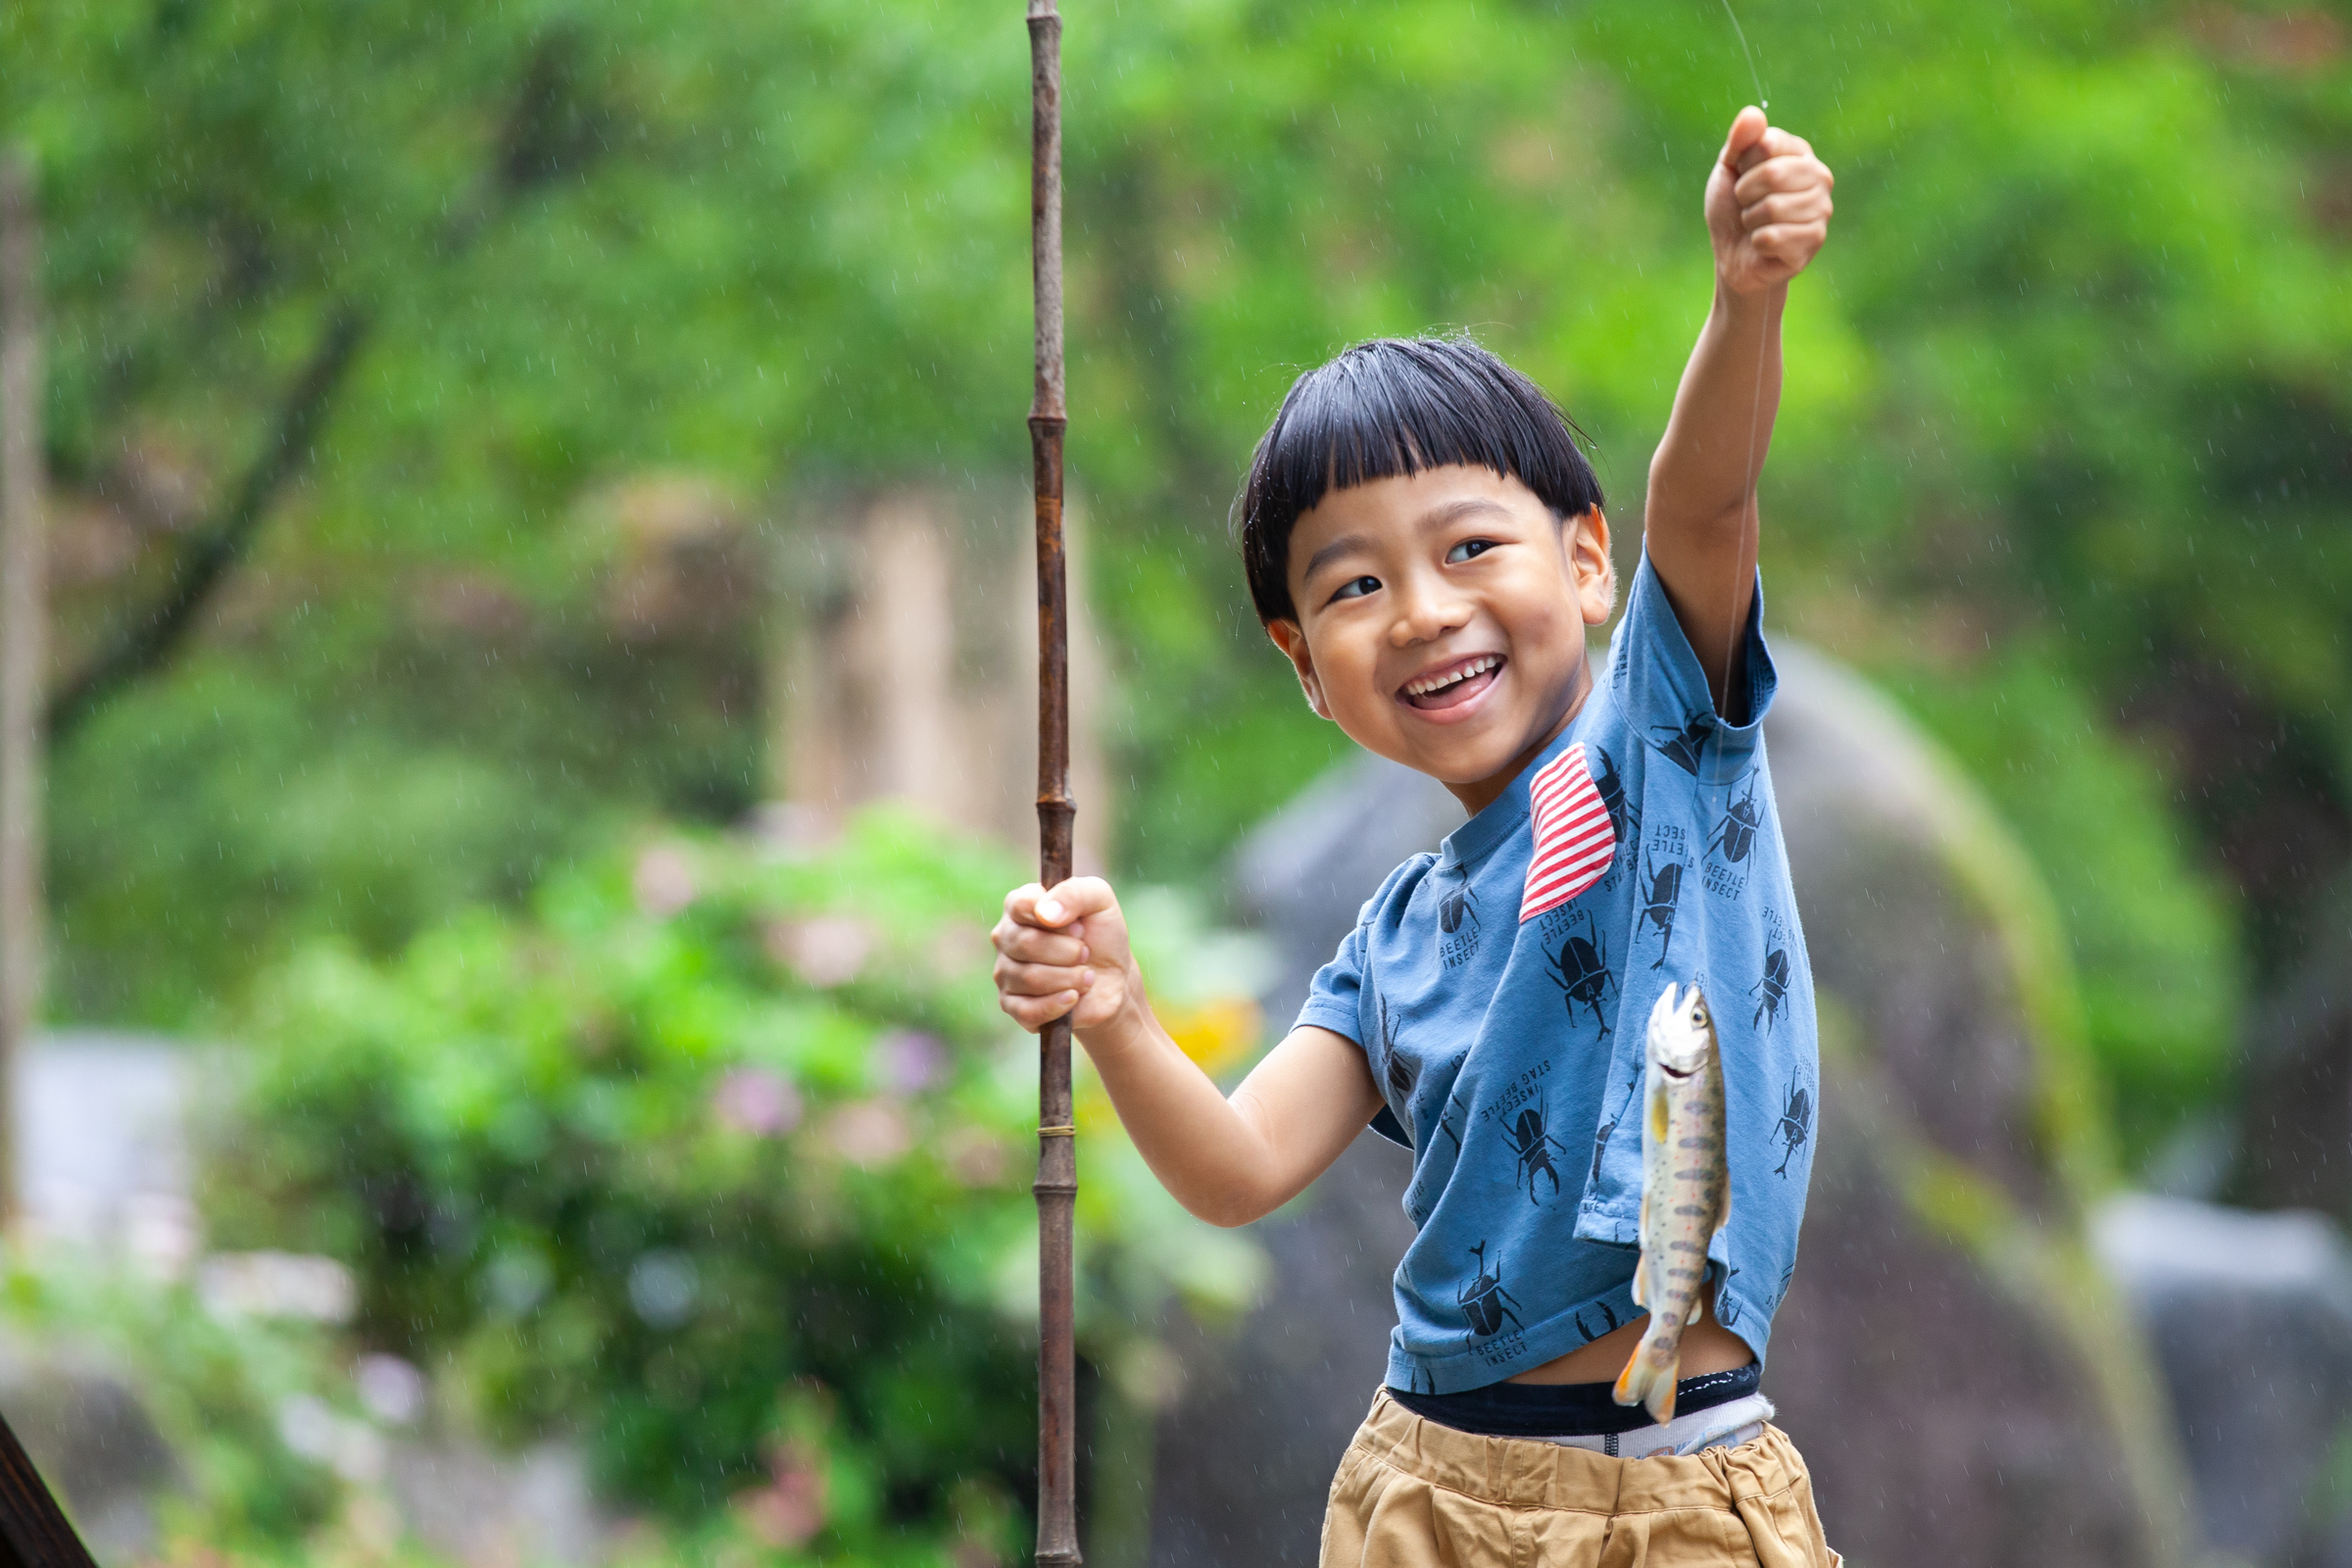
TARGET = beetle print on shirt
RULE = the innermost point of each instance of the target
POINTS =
(1625, 816)
(1401, 1074)
(1580, 966)
(1796, 1126)
(1608, 1321)
(1687, 746)
(1458, 922)
(1733, 841)
(1658, 898)
(1728, 1308)
(1489, 1306)
(1771, 990)
(1522, 1115)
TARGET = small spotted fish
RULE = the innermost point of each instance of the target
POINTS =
(1685, 1191)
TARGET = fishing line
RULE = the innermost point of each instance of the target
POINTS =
(1750, 514)
(1741, 33)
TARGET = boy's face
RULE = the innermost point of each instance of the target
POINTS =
(1441, 621)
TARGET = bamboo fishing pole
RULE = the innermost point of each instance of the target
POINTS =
(1056, 1186)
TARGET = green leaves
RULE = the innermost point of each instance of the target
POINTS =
(2065, 374)
(722, 1117)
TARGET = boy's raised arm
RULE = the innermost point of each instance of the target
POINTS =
(1768, 213)
(1229, 1161)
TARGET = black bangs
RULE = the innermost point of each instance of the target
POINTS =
(1390, 408)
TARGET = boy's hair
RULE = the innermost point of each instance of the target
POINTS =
(1392, 408)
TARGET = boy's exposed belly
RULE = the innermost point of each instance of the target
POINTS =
(1708, 1347)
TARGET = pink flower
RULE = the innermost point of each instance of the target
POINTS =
(909, 1061)
(791, 1506)
(756, 1100)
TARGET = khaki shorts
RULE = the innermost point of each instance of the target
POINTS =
(1411, 1494)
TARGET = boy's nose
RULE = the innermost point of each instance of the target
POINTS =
(1426, 614)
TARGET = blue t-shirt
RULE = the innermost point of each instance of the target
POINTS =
(1510, 1049)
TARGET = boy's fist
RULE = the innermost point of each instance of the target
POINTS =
(1063, 952)
(1768, 204)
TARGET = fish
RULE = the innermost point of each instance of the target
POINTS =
(1685, 1191)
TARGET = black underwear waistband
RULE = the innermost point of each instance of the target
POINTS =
(1568, 1409)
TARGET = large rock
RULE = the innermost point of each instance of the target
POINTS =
(2251, 1320)
(1967, 1387)
(1957, 1370)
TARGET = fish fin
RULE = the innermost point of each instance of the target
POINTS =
(1698, 1304)
(1640, 1281)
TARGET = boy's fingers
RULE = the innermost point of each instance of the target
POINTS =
(1074, 900)
(1793, 207)
(1035, 1012)
(1040, 979)
(1771, 148)
(1790, 243)
(1781, 175)
(1030, 945)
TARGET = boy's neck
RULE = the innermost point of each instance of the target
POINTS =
(1479, 794)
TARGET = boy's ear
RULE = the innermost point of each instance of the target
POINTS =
(1292, 641)
(1585, 540)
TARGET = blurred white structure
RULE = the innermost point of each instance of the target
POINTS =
(101, 1141)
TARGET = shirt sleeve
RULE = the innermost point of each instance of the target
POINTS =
(1654, 665)
(1334, 1002)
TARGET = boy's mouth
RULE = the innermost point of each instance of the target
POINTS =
(1451, 685)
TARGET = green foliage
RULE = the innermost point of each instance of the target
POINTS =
(214, 1387)
(715, 1124)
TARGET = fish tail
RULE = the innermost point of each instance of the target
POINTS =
(1633, 1383)
(1648, 1380)
(1660, 1401)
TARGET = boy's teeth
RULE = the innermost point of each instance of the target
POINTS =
(1475, 666)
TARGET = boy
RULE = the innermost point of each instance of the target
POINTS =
(1425, 542)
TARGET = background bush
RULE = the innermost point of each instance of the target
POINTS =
(720, 1158)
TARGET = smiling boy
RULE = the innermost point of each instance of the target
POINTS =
(1425, 541)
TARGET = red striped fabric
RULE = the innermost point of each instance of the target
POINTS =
(1572, 836)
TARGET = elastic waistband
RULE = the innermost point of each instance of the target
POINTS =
(1726, 1425)
(1528, 1473)
(1566, 1409)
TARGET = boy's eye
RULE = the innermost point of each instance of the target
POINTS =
(1467, 549)
(1356, 588)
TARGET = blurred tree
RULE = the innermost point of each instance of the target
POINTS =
(2065, 410)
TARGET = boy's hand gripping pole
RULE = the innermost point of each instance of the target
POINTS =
(1056, 1186)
